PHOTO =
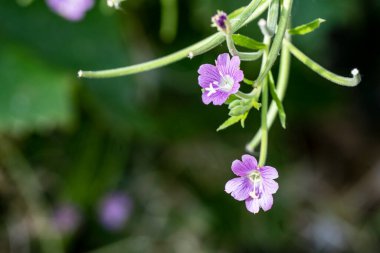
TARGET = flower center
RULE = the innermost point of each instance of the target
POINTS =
(226, 83)
(257, 181)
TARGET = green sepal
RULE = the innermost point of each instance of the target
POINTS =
(256, 105)
(281, 111)
(306, 28)
(230, 99)
(240, 107)
(233, 120)
(247, 42)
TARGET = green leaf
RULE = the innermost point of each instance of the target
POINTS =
(34, 95)
(247, 42)
(306, 28)
(233, 120)
(244, 117)
(281, 111)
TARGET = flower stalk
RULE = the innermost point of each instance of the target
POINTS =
(250, 13)
(278, 38)
(340, 80)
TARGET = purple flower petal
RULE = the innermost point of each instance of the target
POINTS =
(257, 183)
(73, 10)
(234, 65)
(266, 201)
(240, 169)
(220, 81)
(114, 210)
(208, 74)
(239, 188)
(270, 186)
(252, 205)
(249, 161)
(223, 60)
(220, 98)
(268, 172)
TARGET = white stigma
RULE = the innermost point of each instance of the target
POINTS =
(255, 177)
(211, 90)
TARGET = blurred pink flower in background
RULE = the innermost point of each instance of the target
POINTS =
(114, 210)
(73, 10)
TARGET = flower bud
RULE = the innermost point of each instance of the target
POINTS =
(220, 21)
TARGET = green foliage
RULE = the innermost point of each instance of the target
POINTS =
(233, 120)
(306, 28)
(34, 95)
(247, 42)
(280, 107)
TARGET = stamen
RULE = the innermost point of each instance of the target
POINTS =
(211, 90)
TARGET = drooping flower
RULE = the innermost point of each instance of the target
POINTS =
(255, 185)
(220, 81)
(73, 10)
(114, 210)
(66, 218)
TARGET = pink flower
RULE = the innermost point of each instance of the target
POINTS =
(73, 10)
(114, 210)
(254, 185)
(220, 81)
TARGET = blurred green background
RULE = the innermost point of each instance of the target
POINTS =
(66, 141)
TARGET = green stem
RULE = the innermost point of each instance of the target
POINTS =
(276, 99)
(264, 104)
(243, 95)
(340, 80)
(277, 41)
(282, 84)
(244, 56)
(251, 12)
(264, 128)
(273, 16)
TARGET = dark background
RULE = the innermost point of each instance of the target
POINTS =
(70, 140)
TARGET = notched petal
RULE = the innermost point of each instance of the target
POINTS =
(240, 169)
(268, 172)
(249, 161)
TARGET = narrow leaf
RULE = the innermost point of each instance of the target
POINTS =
(231, 121)
(242, 121)
(273, 16)
(281, 111)
(306, 28)
(247, 42)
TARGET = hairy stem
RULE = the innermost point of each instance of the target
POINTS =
(282, 84)
(340, 80)
(277, 41)
(251, 12)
